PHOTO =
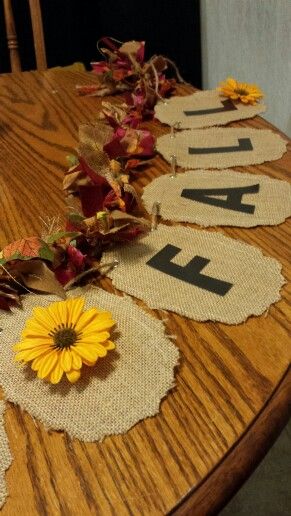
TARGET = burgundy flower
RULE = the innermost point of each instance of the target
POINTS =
(73, 263)
(130, 142)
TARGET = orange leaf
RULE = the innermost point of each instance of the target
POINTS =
(26, 247)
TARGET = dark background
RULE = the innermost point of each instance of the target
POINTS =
(72, 28)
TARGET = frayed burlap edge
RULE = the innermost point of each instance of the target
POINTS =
(119, 277)
(164, 189)
(5, 456)
(268, 146)
(170, 112)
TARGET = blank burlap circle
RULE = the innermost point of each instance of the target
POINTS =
(221, 147)
(5, 456)
(269, 204)
(204, 109)
(256, 280)
(123, 388)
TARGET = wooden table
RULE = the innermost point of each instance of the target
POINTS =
(233, 385)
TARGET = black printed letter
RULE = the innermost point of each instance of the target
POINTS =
(232, 201)
(227, 106)
(244, 144)
(191, 273)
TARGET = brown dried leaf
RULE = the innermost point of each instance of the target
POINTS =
(121, 217)
(70, 180)
(11, 296)
(37, 276)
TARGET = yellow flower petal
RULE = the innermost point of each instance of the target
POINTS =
(58, 312)
(74, 308)
(48, 363)
(73, 375)
(109, 344)
(33, 328)
(97, 348)
(30, 354)
(56, 374)
(232, 83)
(86, 318)
(88, 363)
(86, 352)
(93, 337)
(36, 363)
(97, 326)
(100, 319)
(32, 344)
(43, 318)
(76, 360)
(104, 314)
(66, 360)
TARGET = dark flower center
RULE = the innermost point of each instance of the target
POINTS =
(241, 91)
(64, 337)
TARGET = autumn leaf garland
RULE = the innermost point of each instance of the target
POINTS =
(100, 202)
(124, 69)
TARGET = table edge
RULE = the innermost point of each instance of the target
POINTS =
(228, 476)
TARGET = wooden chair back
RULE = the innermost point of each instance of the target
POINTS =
(38, 37)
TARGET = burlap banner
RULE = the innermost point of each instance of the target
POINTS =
(122, 388)
(221, 198)
(199, 274)
(204, 109)
(221, 147)
(5, 455)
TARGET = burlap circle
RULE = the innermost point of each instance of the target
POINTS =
(123, 388)
(267, 146)
(256, 279)
(272, 202)
(173, 110)
(5, 456)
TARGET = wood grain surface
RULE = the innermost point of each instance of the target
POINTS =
(232, 392)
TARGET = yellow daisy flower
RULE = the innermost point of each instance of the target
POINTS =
(240, 91)
(62, 337)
